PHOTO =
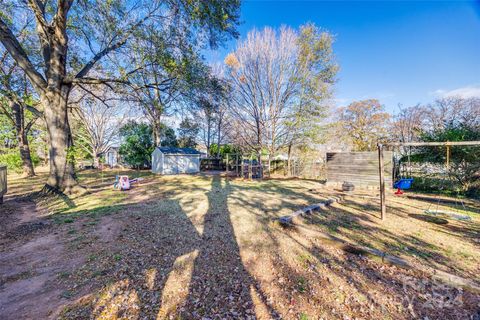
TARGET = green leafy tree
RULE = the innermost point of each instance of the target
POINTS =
(81, 43)
(177, 66)
(7, 134)
(464, 164)
(224, 150)
(137, 146)
(169, 138)
(187, 133)
(317, 70)
(446, 119)
(18, 106)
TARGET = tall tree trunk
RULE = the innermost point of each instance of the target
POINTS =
(289, 160)
(269, 164)
(208, 138)
(96, 159)
(45, 151)
(219, 135)
(157, 133)
(62, 173)
(27, 163)
(19, 118)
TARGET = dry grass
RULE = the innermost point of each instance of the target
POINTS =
(204, 246)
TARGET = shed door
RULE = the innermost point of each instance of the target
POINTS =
(185, 164)
(170, 164)
(192, 164)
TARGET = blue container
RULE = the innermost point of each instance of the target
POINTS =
(403, 184)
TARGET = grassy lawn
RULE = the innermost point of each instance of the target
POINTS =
(203, 246)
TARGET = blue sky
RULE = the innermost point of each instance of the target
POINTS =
(404, 52)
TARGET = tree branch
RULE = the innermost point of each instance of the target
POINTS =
(38, 9)
(30, 124)
(20, 56)
(99, 56)
(84, 71)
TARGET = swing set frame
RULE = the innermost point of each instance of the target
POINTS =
(380, 147)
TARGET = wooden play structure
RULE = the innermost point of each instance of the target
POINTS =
(401, 183)
(357, 168)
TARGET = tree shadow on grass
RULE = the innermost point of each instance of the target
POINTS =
(221, 286)
(429, 218)
(340, 271)
(161, 265)
(126, 274)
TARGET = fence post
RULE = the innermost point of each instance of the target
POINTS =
(383, 206)
(250, 168)
(226, 167)
(242, 168)
(236, 163)
(269, 165)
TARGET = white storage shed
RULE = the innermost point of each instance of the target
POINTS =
(170, 160)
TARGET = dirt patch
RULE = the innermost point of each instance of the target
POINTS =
(27, 273)
(109, 229)
(14, 212)
(31, 258)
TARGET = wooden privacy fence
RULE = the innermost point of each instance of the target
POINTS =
(359, 168)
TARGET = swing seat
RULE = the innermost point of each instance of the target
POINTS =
(403, 184)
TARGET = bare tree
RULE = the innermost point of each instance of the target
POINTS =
(408, 123)
(279, 79)
(451, 111)
(224, 96)
(260, 72)
(210, 113)
(99, 126)
(205, 117)
(221, 125)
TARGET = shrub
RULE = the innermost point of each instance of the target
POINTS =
(13, 161)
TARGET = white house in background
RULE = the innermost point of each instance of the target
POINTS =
(112, 157)
(170, 160)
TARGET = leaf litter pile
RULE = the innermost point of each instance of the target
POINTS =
(206, 248)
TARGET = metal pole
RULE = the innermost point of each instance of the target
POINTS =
(382, 181)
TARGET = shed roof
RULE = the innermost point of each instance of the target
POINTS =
(173, 150)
